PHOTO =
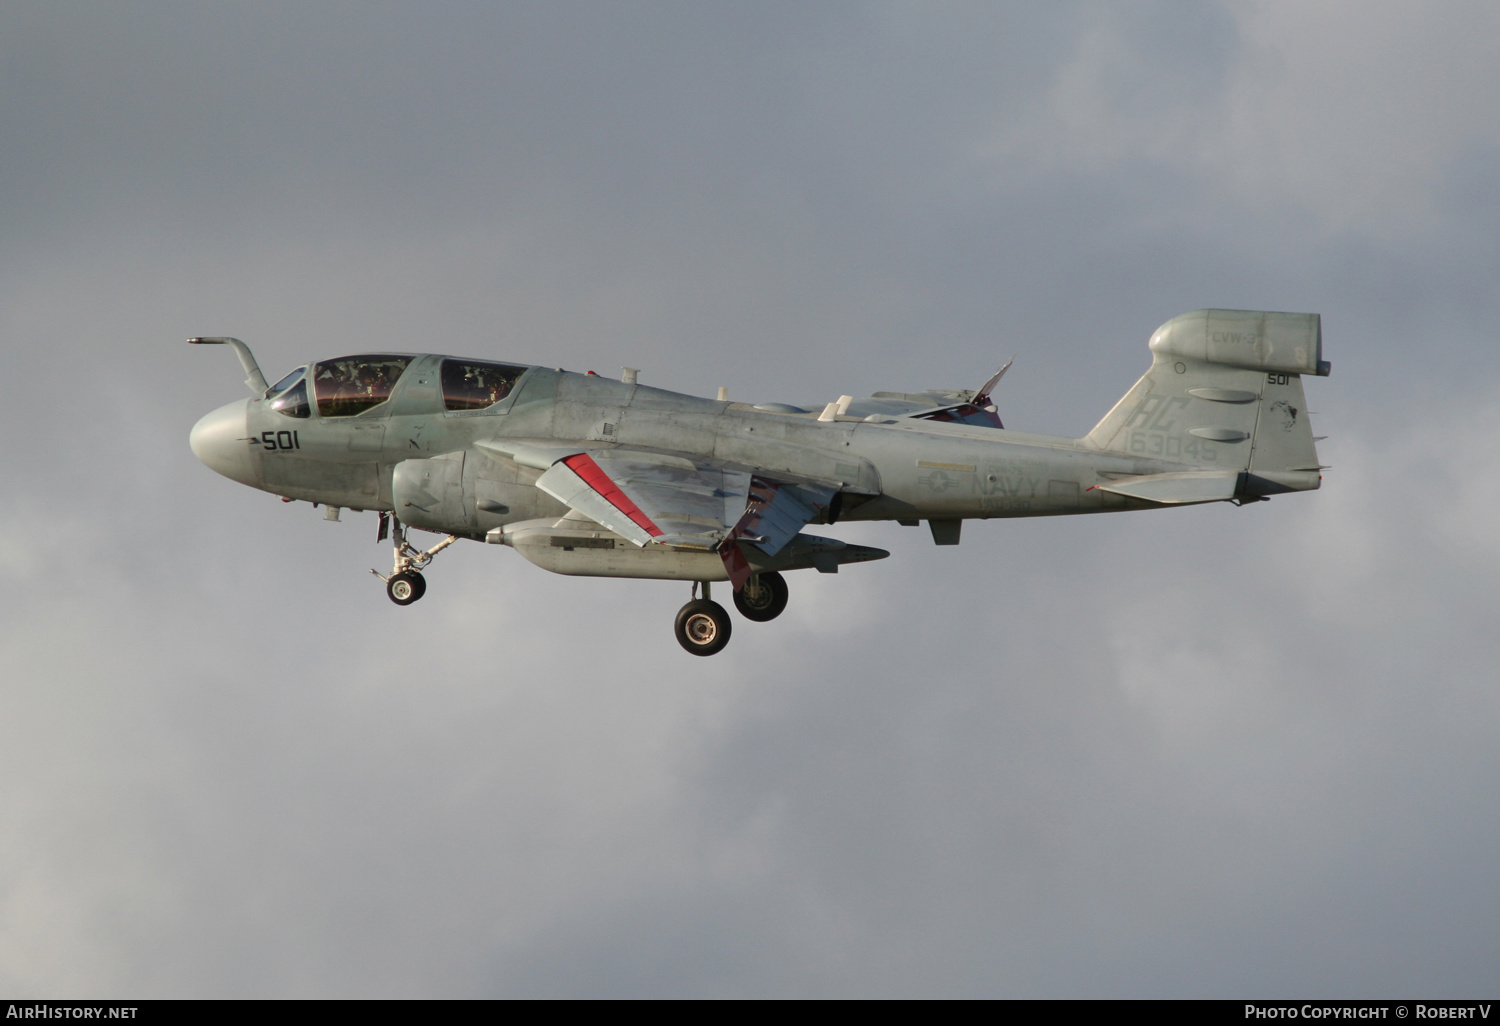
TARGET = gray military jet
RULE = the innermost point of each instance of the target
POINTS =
(594, 477)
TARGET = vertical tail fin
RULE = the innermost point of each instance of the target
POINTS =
(1225, 392)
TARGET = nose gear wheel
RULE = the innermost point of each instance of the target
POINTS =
(405, 588)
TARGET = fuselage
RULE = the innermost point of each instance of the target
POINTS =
(591, 477)
(887, 467)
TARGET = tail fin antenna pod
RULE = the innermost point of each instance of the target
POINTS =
(254, 379)
(1224, 393)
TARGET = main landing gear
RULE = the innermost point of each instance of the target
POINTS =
(762, 598)
(406, 584)
(703, 626)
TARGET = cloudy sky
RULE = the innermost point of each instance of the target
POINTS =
(1201, 752)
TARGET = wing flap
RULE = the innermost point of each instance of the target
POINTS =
(775, 512)
(773, 515)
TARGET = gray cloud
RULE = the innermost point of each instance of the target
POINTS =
(1206, 752)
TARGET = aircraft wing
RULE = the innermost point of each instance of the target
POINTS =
(673, 499)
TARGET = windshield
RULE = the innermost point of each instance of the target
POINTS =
(353, 384)
(287, 382)
(470, 385)
(293, 402)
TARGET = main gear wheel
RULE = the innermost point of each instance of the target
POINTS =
(703, 627)
(763, 597)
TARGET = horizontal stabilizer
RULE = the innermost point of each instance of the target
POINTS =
(958, 407)
(1177, 489)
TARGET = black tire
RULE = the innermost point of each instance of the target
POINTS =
(763, 597)
(405, 588)
(703, 627)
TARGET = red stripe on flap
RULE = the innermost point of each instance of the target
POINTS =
(584, 466)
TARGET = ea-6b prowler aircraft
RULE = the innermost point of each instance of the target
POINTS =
(593, 477)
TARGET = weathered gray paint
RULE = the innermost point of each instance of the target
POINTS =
(1220, 415)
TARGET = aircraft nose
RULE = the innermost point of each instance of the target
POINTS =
(220, 443)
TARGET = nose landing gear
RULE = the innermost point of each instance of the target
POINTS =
(702, 625)
(405, 584)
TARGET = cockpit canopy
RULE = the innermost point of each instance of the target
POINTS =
(353, 384)
(472, 385)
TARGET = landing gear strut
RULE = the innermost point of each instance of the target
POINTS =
(405, 584)
(702, 625)
(763, 597)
